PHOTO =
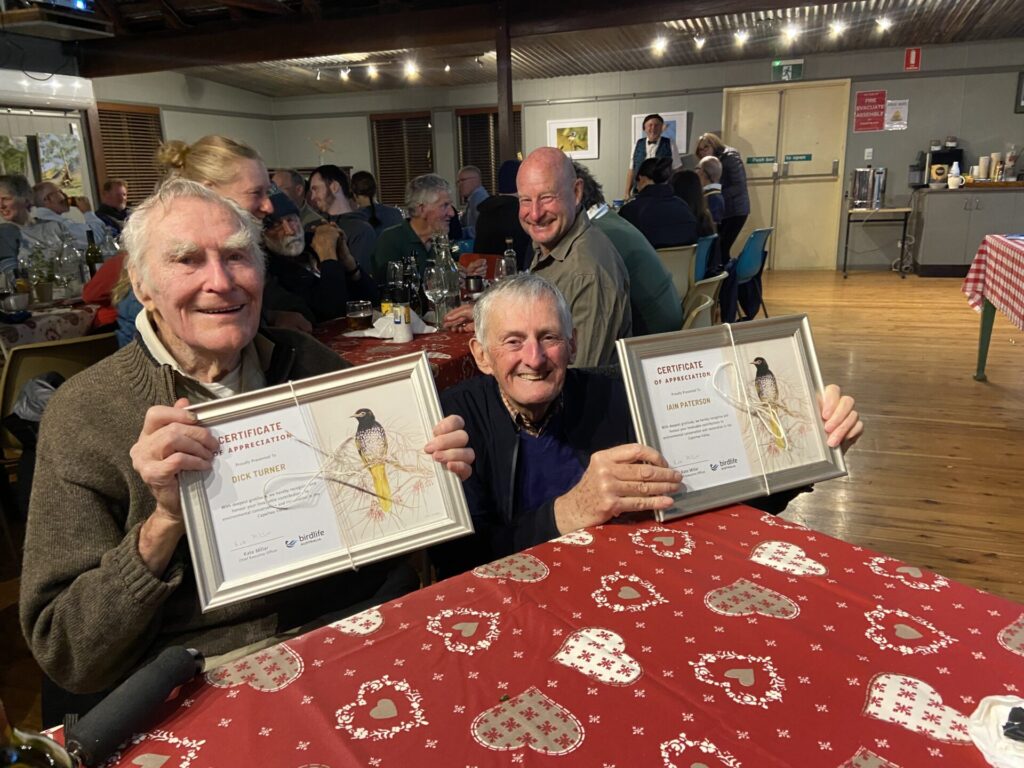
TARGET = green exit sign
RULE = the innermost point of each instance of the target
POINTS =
(784, 70)
(760, 159)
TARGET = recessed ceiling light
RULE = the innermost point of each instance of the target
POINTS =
(791, 32)
(741, 36)
(371, 71)
(344, 73)
(659, 46)
(883, 23)
(699, 42)
(411, 70)
(447, 67)
(478, 61)
(318, 74)
(837, 28)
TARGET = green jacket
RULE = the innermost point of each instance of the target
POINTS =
(394, 244)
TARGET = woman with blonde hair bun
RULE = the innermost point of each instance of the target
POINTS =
(229, 167)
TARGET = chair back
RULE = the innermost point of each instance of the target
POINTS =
(710, 288)
(679, 262)
(704, 246)
(752, 256)
(700, 315)
(65, 356)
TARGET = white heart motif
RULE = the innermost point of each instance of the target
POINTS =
(681, 745)
(865, 758)
(896, 630)
(370, 716)
(268, 670)
(618, 593)
(363, 623)
(788, 558)
(916, 706)
(599, 654)
(461, 631)
(664, 542)
(576, 539)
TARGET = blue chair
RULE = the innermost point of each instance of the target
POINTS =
(751, 262)
(704, 246)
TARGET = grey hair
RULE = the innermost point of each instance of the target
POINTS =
(135, 238)
(18, 186)
(425, 189)
(712, 167)
(523, 288)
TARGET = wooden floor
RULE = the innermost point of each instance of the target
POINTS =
(934, 481)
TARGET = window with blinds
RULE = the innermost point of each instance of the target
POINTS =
(130, 135)
(403, 148)
(478, 141)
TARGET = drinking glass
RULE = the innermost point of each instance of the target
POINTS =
(394, 272)
(436, 289)
(504, 267)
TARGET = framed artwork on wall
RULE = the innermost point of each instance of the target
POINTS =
(577, 137)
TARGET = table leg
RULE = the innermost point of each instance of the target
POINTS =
(846, 244)
(903, 248)
(988, 314)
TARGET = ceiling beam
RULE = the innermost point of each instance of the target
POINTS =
(263, 6)
(171, 16)
(109, 9)
(276, 39)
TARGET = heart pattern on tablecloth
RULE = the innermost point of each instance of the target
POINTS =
(465, 630)
(908, 575)
(576, 538)
(779, 522)
(268, 670)
(892, 629)
(529, 719)
(519, 567)
(744, 598)
(363, 623)
(1012, 636)
(623, 592)
(599, 654)
(664, 542)
(695, 754)
(865, 758)
(916, 706)
(788, 558)
(383, 708)
(166, 746)
(750, 680)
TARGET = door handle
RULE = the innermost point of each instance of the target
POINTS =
(785, 170)
(835, 167)
(977, 203)
(967, 204)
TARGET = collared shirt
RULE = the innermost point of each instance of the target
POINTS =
(76, 230)
(395, 244)
(523, 422)
(247, 376)
(469, 216)
(590, 273)
(712, 188)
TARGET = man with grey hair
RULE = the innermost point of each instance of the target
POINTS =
(428, 202)
(554, 446)
(471, 189)
(710, 171)
(108, 581)
(290, 181)
(16, 211)
(52, 205)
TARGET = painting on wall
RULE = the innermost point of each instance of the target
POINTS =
(675, 129)
(577, 137)
(14, 155)
(60, 161)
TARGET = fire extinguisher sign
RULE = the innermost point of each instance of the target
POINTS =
(912, 60)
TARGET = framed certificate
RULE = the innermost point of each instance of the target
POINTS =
(734, 408)
(318, 476)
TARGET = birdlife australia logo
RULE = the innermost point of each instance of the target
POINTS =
(724, 464)
(305, 538)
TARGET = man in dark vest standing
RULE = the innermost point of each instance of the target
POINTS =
(652, 144)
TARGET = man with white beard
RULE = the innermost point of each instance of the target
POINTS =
(323, 275)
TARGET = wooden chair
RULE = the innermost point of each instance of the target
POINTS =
(680, 264)
(66, 356)
(700, 315)
(710, 287)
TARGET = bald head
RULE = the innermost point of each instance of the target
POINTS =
(549, 196)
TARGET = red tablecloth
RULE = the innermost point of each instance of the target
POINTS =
(997, 274)
(727, 639)
(448, 353)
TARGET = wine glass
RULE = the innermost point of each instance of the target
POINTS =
(505, 266)
(436, 288)
(394, 272)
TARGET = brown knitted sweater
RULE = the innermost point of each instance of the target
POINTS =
(90, 609)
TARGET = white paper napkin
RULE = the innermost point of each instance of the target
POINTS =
(986, 730)
(384, 327)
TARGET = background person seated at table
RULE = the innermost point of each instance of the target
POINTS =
(656, 211)
(472, 190)
(51, 204)
(290, 181)
(331, 194)
(16, 210)
(378, 215)
(113, 208)
(428, 201)
(554, 446)
(107, 580)
(498, 219)
(323, 274)
(653, 298)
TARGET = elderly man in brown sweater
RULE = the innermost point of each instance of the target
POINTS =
(108, 581)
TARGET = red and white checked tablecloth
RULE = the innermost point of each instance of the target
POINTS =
(447, 352)
(997, 274)
(727, 639)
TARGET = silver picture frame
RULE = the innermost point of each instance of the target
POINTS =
(296, 457)
(695, 396)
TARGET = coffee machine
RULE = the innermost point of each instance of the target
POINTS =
(939, 161)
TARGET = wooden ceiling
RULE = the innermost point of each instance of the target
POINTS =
(302, 47)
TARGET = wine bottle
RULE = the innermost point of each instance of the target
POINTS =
(23, 749)
(93, 255)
